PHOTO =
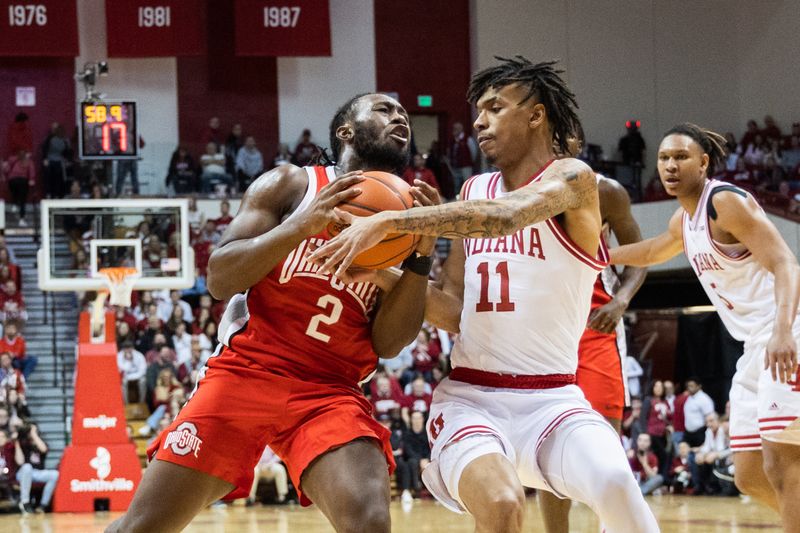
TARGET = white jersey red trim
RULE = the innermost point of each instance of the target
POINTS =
(526, 295)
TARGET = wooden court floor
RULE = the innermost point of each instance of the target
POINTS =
(676, 514)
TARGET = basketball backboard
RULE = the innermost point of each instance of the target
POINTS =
(80, 237)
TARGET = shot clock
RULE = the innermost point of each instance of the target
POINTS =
(108, 130)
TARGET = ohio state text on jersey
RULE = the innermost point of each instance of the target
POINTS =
(303, 324)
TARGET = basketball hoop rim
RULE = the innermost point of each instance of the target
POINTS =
(119, 282)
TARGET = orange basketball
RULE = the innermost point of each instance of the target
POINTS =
(381, 191)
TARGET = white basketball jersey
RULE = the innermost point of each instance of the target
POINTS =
(741, 289)
(526, 296)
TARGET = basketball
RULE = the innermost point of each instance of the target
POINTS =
(381, 191)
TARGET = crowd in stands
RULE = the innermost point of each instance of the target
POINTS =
(677, 442)
(22, 449)
(765, 161)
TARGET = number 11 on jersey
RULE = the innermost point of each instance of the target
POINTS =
(505, 304)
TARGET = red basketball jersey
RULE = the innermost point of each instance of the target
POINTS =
(303, 324)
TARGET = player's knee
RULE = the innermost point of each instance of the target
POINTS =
(362, 511)
(505, 509)
(616, 484)
(782, 471)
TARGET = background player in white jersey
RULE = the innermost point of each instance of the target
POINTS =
(752, 278)
(517, 289)
(602, 349)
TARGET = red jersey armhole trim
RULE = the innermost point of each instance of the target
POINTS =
(322, 177)
(569, 245)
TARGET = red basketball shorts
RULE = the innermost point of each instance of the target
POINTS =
(599, 374)
(239, 408)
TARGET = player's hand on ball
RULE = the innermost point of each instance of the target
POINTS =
(605, 319)
(425, 195)
(338, 254)
(781, 356)
(321, 212)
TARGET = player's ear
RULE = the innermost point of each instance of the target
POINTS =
(345, 132)
(537, 116)
(704, 163)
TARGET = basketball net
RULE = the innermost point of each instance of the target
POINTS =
(120, 281)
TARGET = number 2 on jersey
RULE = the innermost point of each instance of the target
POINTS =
(333, 310)
(505, 304)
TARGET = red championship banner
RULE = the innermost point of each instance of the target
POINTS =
(288, 28)
(156, 28)
(101, 463)
(38, 28)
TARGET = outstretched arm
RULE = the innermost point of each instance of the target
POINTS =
(566, 184)
(615, 205)
(652, 251)
(744, 219)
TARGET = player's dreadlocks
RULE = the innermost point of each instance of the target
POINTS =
(710, 142)
(343, 114)
(544, 85)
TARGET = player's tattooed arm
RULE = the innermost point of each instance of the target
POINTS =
(655, 250)
(566, 184)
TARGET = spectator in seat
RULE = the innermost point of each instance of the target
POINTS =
(396, 367)
(14, 343)
(154, 251)
(742, 175)
(402, 472)
(151, 337)
(213, 169)
(8, 467)
(644, 464)
(697, 407)
(30, 453)
(197, 219)
(182, 172)
(133, 367)
(419, 401)
(208, 339)
(13, 307)
(167, 398)
(681, 471)
(749, 136)
(771, 130)
(166, 308)
(305, 151)
(416, 449)
(659, 417)
(232, 146)
(270, 468)
(189, 371)
(715, 447)
(791, 155)
(160, 341)
(12, 386)
(678, 418)
(13, 268)
(632, 424)
(213, 133)
(209, 233)
(225, 218)
(175, 320)
(20, 173)
(418, 171)
(754, 153)
(463, 154)
(425, 355)
(384, 399)
(283, 156)
(181, 342)
(163, 361)
(249, 163)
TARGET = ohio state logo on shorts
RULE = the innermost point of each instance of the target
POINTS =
(183, 440)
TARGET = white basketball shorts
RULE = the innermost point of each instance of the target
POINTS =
(760, 405)
(484, 420)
